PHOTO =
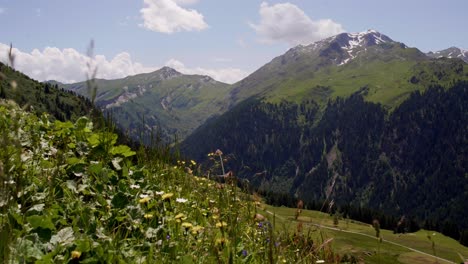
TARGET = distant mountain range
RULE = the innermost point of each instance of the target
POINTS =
(170, 103)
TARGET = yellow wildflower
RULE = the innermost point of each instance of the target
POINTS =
(148, 216)
(144, 200)
(221, 224)
(75, 254)
(197, 229)
(187, 225)
(193, 162)
(179, 216)
(167, 196)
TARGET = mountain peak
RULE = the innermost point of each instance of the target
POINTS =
(168, 73)
(364, 39)
(452, 53)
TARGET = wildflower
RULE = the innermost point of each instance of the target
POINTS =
(197, 229)
(193, 162)
(187, 225)
(160, 193)
(134, 186)
(148, 216)
(320, 261)
(179, 216)
(218, 152)
(221, 224)
(221, 241)
(75, 254)
(244, 253)
(144, 200)
(168, 237)
(167, 196)
(181, 200)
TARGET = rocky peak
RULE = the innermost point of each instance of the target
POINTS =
(166, 73)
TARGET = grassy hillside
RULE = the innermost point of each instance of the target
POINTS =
(69, 194)
(359, 239)
(388, 73)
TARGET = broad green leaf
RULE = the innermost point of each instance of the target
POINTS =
(27, 249)
(83, 245)
(64, 237)
(93, 140)
(40, 221)
(123, 150)
(120, 200)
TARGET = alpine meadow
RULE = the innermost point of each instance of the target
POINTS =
(200, 131)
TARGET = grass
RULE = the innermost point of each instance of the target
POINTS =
(366, 246)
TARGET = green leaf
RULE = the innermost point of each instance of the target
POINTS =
(95, 169)
(120, 200)
(123, 150)
(83, 245)
(41, 221)
(93, 140)
(63, 237)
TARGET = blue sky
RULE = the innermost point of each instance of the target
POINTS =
(224, 39)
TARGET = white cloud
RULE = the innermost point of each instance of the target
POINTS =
(166, 16)
(186, 2)
(286, 22)
(227, 75)
(69, 66)
(2, 10)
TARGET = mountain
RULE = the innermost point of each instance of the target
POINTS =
(166, 101)
(452, 52)
(355, 119)
(343, 64)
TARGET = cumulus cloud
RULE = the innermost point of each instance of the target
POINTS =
(227, 75)
(186, 2)
(286, 22)
(167, 16)
(69, 66)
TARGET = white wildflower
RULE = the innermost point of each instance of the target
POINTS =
(181, 200)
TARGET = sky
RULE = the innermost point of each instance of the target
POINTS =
(226, 40)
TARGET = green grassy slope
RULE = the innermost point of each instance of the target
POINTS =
(359, 239)
(70, 194)
(384, 71)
